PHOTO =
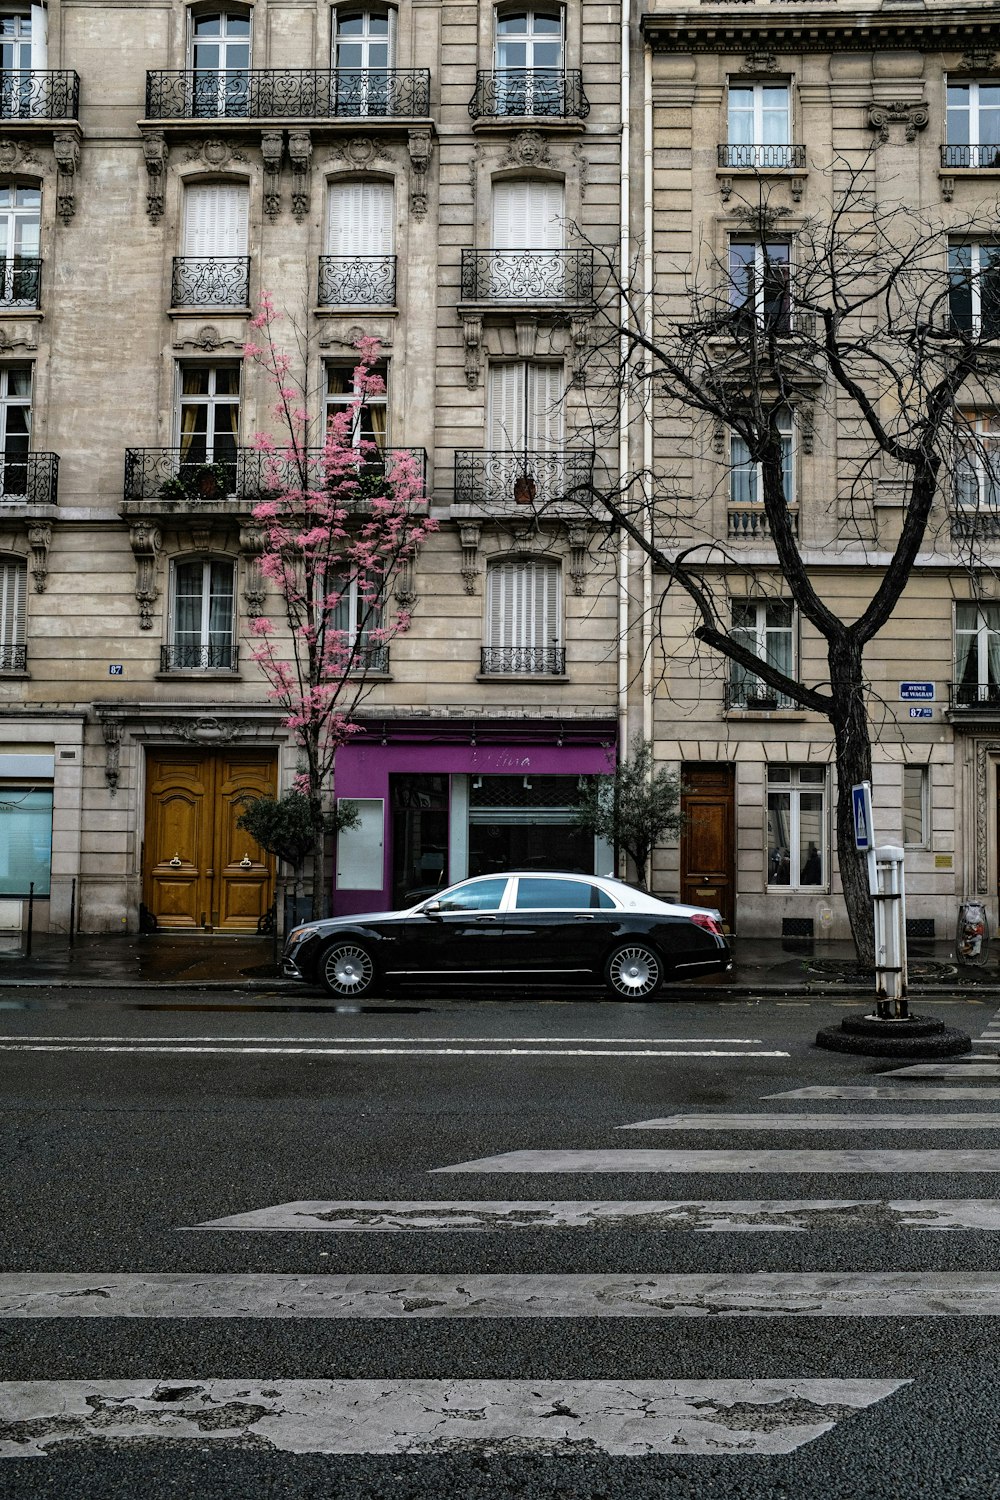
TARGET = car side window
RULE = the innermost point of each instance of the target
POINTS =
(482, 895)
(539, 894)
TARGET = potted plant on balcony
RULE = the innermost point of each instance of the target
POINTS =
(199, 482)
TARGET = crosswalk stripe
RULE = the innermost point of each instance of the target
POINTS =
(945, 1070)
(437, 1041)
(889, 1093)
(700, 1215)
(628, 1419)
(242, 1051)
(774, 1294)
(732, 1161)
(968, 1119)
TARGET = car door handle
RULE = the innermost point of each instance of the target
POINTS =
(484, 919)
(584, 916)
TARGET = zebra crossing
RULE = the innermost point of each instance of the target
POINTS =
(616, 1418)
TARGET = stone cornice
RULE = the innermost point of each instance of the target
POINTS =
(811, 29)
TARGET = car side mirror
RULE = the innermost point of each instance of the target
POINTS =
(432, 908)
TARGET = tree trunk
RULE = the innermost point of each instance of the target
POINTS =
(852, 739)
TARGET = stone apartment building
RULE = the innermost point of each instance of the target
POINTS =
(401, 170)
(780, 99)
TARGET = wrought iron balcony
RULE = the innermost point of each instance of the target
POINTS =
(527, 478)
(171, 476)
(527, 276)
(210, 281)
(749, 522)
(535, 93)
(357, 281)
(199, 657)
(368, 655)
(29, 478)
(974, 695)
(39, 95)
(755, 696)
(763, 158)
(13, 658)
(523, 661)
(970, 156)
(288, 94)
(20, 281)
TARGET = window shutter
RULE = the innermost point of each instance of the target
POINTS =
(527, 215)
(216, 219)
(523, 605)
(13, 603)
(39, 38)
(359, 219)
(506, 406)
(545, 406)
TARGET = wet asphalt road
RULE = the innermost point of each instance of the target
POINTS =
(110, 1156)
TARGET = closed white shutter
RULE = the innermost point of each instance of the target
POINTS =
(506, 406)
(13, 603)
(523, 604)
(545, 406)
(527, 215)
(359, 219)
(216, 217)
(39, 38)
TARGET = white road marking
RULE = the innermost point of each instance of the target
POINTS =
(980, 1069)
(699, 1215)
(969, 1118)
(759, 1294)
(437, 1041)
(375, 1051)
(628, 1419)
(732, 1161)
(900, 1091)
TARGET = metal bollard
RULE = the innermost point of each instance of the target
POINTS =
(31, 919)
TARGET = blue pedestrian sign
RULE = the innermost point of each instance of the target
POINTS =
(916, 692)
(861, 802)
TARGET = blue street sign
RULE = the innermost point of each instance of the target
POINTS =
(861, 802)
(916, 691)
(116, 669)
(921, 713)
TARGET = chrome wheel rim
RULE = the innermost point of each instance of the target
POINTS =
(349, 970)
(634, 972)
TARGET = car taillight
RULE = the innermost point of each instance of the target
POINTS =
(706, 920)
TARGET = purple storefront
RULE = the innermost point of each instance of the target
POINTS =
(441, 799)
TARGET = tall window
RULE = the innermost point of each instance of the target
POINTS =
(525, 406)
(977, 463)
(202, 624)
(13, 615)
(212, 271)
(528, 56)
(916, 806)
(973, 125)
(363, 48)
(17, 48)
(974, 288)
(763, 626)
(746, 484)
(15, 430)
(220, 62)
(370, 421)
(528, 239)
(23, 50)
(796, 826)
(759, 125)
(759, 281)
(26, 844)
(210, 417)
(523, 610)
(359, 266)
(20, 219)
(977, 654)
(357, 617)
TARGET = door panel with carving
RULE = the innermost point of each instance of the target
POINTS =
(707, 842)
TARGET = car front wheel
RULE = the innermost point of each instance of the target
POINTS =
(347, 969)
(633, 972)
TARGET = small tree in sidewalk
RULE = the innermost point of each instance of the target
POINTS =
(340, 527)
(635, 808)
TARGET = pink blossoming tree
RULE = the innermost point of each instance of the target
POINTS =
(340, 526)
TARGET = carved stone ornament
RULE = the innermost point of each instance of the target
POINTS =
(912, 115)
(526, 335)
(300, 150)
(419, 144)
(978, 60)
(579, 348)
(67, 153)
(360, 152)
(947, 185)
(582, 170)
(40, 540)
(145, 541)
(271, 144)
(112, 730)
(528, 149)
(155, 151)
(578, 539)
(14, 155)
(470, 535)
(214, 731)
(214, 154)
(984, 752)
(759, 62)
(806, 417)
(18, 336)
(472, 332)
(207, 340)
(404, 591)
(254, 589)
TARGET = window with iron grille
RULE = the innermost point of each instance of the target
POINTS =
(13, 614)
(202, 616)
(523, 625)
(765, 627)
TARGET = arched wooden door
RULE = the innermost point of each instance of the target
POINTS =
(199, 869)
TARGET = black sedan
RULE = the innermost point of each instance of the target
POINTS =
(540, 927)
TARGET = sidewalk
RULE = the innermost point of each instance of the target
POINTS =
(208, 961)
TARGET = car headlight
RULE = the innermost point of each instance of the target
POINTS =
(298, 934)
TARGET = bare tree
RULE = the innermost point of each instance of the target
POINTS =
(860, 316)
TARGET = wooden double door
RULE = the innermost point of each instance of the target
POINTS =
(707, 837)
(199, 869)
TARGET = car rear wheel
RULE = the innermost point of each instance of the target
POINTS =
(633, 972)
(347, 969)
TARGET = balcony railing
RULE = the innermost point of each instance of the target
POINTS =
(199, 657)
(756, 697)
(535, 93)
(29, 478)
(20, 281)
(974, 694)
(527, 275)
(368, 655)
(970, 156)
(13, 658)
(170, 475)
(210, 281)
(288, 94)
(526, 478)
(523, 661)
(763, 158)
(39, 95)
(357, 281)
(750, 522)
